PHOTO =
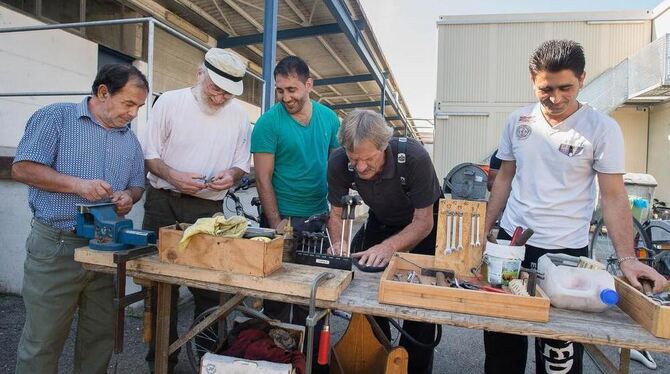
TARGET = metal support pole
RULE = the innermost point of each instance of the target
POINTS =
(269, 52)
(150, 66)
(383, 98)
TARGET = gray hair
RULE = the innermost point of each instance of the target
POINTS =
(361, 125)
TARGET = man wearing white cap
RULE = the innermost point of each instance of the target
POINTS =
(196, 146)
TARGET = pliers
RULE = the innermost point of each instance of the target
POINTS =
(470, 286)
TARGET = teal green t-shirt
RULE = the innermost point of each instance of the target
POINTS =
(301, 157)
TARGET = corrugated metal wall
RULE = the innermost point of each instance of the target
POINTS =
(483, 68)
(634, 125)
(659, 149)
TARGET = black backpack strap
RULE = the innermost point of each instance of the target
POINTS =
(401, 161)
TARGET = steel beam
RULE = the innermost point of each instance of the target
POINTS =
(269, 53)
(300, 32)
(347, 24)
(344, 79)
(363, 104)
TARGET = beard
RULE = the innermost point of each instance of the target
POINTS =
(296, 106)
(205, 105)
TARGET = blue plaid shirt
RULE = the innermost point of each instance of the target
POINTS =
(66, 138)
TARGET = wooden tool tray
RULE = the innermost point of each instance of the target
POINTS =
(426, 295)
(653, 317)
(234, 255)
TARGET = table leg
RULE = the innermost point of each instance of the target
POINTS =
(163, 310)
(624, 361)
(605, 364)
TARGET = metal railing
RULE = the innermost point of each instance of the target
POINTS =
(644, 77)
(151, 28)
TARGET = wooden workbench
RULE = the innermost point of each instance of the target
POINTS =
(612, 327)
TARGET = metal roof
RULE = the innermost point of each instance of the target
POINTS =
(308, 29)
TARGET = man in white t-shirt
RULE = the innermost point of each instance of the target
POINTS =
(196, 146)
(551, 153)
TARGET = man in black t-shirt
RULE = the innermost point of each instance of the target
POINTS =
(402, 192)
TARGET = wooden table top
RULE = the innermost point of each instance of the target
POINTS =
(612, 327)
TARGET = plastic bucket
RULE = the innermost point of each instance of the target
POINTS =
(502, 262)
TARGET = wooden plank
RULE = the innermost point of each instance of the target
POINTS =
(223, 311)
(653, 317)
(456, 299)
(471, 255)
(235, 255)
(602, 362)
(290, 279)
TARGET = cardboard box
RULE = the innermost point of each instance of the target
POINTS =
(214, 364)
(426, 295)
(650, 315)
(234, 255)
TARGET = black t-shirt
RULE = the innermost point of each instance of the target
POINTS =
(391, 204)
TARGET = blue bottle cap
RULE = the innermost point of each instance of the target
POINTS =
(609, 296)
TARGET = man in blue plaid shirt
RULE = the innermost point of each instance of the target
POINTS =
(73, 153)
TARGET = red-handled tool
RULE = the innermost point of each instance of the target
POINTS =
(516, 235)
(523, 238)
(324, 343)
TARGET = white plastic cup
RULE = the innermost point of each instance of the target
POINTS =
(503, 262)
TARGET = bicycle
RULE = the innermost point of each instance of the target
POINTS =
(601, 247)
(214, 337)
(238, 207)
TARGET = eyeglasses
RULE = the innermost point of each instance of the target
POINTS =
(213, 90)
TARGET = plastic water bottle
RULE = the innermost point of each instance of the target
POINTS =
(577, 288)
(640, 209)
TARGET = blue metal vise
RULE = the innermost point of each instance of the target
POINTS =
(108, 232)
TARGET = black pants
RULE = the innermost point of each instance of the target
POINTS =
(420, 358)
(293, 313)
(164, 208)
(506, 353)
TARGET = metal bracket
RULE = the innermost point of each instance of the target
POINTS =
(121, 300)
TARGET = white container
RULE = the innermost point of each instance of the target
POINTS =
(577, 288)
(503, 262)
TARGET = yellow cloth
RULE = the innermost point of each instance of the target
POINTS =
(233, 227)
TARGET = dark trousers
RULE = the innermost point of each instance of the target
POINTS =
(506, 353)
(293, 313)
(164, 208)
(420, 358)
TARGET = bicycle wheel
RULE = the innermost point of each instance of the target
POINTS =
(601, 247)
(213, 337)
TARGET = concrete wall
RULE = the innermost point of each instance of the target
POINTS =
(39, 61)
(659, 149)
(633, 122)
(35, 61)
(483, 73)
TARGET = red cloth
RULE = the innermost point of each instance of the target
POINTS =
(255, 344)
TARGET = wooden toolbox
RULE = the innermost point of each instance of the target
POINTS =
(234, 255)
(429, 296)
(650, 315)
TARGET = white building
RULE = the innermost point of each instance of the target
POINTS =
(483, 76)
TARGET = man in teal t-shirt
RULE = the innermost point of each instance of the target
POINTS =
(291, 143)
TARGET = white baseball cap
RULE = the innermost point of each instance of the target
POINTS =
(226, 70)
